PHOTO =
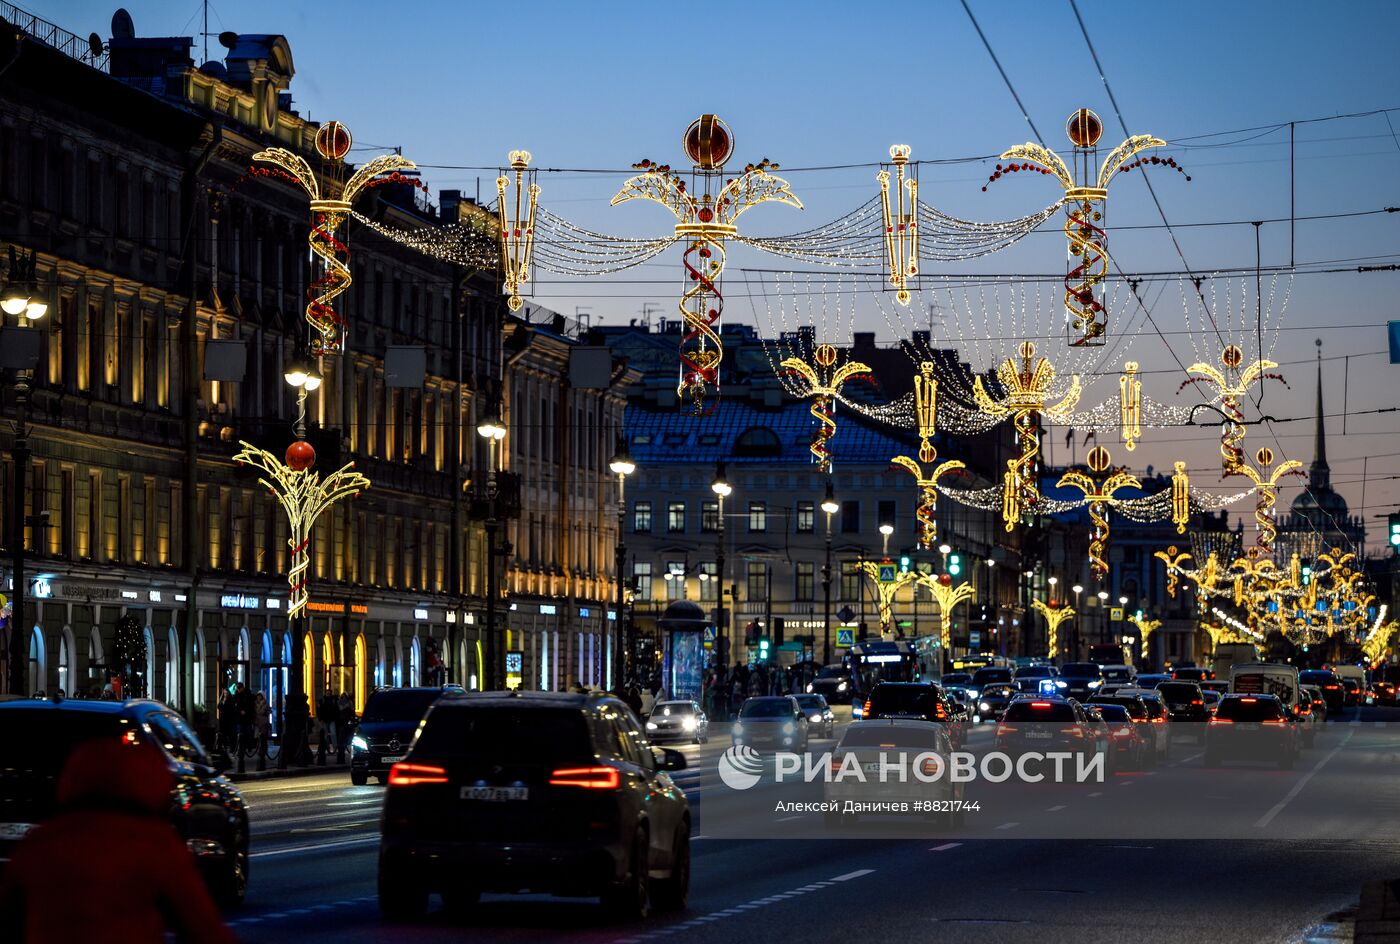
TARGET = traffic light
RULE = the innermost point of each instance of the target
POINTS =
(751, 634)
(954, 565)
(1307, 574)
(905, 561)
(778, 627)
(1395, 530)
(763, 650)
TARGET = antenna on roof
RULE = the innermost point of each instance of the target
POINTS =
(122, 27)
(95, 46)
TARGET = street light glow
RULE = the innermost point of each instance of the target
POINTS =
(1053, 580)
(1103, 594)
(887, 529)
(491, 427)
(1077, 588)
(829, 504)
(944, 549)
(720, 486)
(621, 463)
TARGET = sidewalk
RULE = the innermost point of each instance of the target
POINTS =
(252, 774)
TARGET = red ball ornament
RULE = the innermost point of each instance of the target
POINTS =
(945, 579)
(300, 456)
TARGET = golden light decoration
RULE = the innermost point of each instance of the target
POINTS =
(1231, 386)
(1266, 488)
(901, 219)
(823, 385)
(1086, 191)
(1099, 496)
(1026, 388)
(926, 413)
(1173, 559)
(948, 596)
(886, 590)
(1146, 627)
(330, 205)
(1054, 616)
(1181, 497)
(1254, 573)
(518, 225)
(704, 222)
(303, 495)
(1130, 405)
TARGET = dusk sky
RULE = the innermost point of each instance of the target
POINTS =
(597, 86)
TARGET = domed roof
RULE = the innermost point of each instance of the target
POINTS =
(1311, 502)
(683, 614)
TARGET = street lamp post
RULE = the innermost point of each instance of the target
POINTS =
(622, 466)
(721, 487)
(493, 431)
(18, 299)
(1103, 613)
(830, 507)
(1078, 589)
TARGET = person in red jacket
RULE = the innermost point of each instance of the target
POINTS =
(108, 866)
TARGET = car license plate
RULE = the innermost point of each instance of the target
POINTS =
(1039, 735)
(1246, 727)
(14, 831)
(495, 794)
(393, 760)
(1177, 707)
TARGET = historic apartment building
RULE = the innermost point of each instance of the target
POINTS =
(128, 178)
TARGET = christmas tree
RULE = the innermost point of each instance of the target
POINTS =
(131, 657)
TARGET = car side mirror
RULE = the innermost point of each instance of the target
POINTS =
(668, 759)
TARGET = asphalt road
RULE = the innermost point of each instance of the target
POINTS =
(1304, 842)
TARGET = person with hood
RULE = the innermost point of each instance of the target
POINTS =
(114, 795)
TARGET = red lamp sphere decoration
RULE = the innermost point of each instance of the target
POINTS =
(300, 456)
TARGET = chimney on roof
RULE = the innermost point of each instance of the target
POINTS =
(863, 341)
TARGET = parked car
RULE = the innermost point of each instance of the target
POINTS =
(205, 808)
(679, 720)
(549, 792)
(386, 728)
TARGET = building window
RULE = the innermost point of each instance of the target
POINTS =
(709, 581)
(641, 517)
(850, 582)
(850, 517)
(641, 576)
(709, 516)
(806, 580)
(886, 512)
(806, 517)
(675, 580)
(675, 517)
(758, 580)
(758, 516)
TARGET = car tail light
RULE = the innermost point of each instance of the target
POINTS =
(1074, 730)
(1249, 701)
(835, 765)
(1221, 721)
(1042, 704)
(1160, 720)
(412, 775)
(940, 712)
(1331, 686)
(1005, 729)
(1275, 721)
(595, 778)
(1197, 701)
(865, 709)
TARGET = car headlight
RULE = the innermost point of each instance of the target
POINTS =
(789, 727)
(841, 686)
(738, 728)
(651, 725)
(358, 743)
(1060, 683)
(810, 689)
(1095, 683)
(984, 706)
(688, 724)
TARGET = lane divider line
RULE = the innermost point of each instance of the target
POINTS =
(1268, 817)
(340, 843)
(945, 847)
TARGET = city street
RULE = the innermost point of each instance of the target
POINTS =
(314, 866)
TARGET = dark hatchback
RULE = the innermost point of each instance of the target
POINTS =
(537, 792)
(922, 700)
(1082, 680)
(386, 728)
(834, 683)
(205, 808)
(1185, 702)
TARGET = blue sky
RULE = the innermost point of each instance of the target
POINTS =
(601, 85)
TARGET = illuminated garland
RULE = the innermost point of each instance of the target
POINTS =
(1054, 616)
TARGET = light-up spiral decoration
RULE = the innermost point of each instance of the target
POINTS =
(1173, 560)
(1231, 392)
(303, 496)
(704, 222)
(1265, 491)
(822, 382)
(330, 205)
(1025, 388)
(824, 415)
(1088, 269)
(1099, 497)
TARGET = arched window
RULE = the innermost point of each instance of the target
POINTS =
(172, 668)
(197, 670)
(361, 673)
(148, 683)
(308, 667)
(381, 664)
(328, 662)
(243, 653)
(65, 661)
(758, 441)
(415, 661)
(38, 664)
(97, 666)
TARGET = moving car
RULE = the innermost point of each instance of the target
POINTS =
(821, 721)
(1027, 678)
(1251, 727)
(1185, 703)
(923, 700)
(1152, 679)
(871, 743)
(386, 728)
(834, 683)
(1328, 683)
(1266, 678)
(1081, 679)
(1192, 673)
(993, 699)
(678, 720)
(1049, 723)
(1151, 731)
(772, 722)
(205, 808)
(1118, 674)
(990, 675)
(1351, 692)
(1126, 747)
(1319, 701)
(1357, 674)
(549, 792)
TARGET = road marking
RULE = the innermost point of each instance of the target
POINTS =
(1098, 794)
(945, 847)
(312, 848)
(1268, 817)
(1184, 760)
(1055, 809)
(850, 875)
(1125, 783)
(1008, 825)
(787, 819)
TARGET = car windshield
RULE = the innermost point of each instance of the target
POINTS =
(984, 677)
(1134, 706)
(1179, 691)
(667, 709)
(834, 672)
(880, 734)
(957, 678)
(1039, 711)
(1035, 671)
(51, 735)
(903, 699)
(1249, 709)
(766, 708)
(405, 705)
(811, 701)
(510, 735)
(1080, 670)
(995, 691)
(1112, 712)
(1118, 673)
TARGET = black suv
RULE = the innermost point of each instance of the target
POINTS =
(205, 808)
(386, 729)
(538, 791)
(1185, 702)
(1082, 680)
(922, 700)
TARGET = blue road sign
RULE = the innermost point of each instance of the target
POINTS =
(845, 638)
(887, 573)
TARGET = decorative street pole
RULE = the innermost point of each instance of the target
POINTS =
(722, 489)
(1146, 627)
(1054, 616)
(622, 466)
(823, 385)
(493, 431)
(830, 507)
(1099, 497)
(948, 596)
(926, 415)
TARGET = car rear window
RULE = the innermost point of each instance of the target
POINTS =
(1112, 712)
(766, 708)
(1117, 674)
(1034, 671)
(1133, 706)
(1179, 691)
(875, 734)
(51, 735)
(903, 699)
(1039, 711)
(1316, 678)
(505, 734)
(1248, 709)
(397, 706)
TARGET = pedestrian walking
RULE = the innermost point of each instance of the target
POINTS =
(262, 727)
(228, 723)
(327, 710)
(344, 721)
(243, 714)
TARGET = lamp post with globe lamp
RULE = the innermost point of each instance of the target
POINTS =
(722, 489)
(829, 507)
(622, 466)
(1078, 589)
(1103, 611)
(493, 431)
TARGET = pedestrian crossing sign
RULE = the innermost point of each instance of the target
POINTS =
(709, 637)
(1116, 614)
(845, 638)
(887, 573)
